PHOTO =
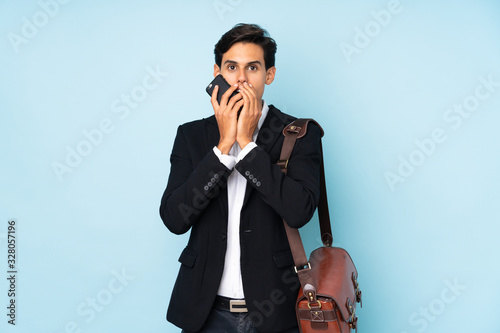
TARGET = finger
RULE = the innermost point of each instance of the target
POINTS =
(250, 89)
(238, 105)
(248, 101)
(235, 99)
(252, 95)
(245, 94)
(227, 94)
(213, 99)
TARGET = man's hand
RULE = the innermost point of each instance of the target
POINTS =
(249, 116)
(227, 117)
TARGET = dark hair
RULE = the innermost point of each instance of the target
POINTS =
(247, 33)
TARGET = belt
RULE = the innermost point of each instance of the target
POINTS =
(231, 305)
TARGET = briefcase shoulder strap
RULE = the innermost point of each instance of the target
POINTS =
(293, 131)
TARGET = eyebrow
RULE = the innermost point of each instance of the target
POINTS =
(256, 62)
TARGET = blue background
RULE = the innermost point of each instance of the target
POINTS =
(413, 185)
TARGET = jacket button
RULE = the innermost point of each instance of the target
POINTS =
(255, 180)
(247, 173)
(258, 184)
(206, 188)
(250, 177)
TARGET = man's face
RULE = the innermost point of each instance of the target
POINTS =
(244, 62)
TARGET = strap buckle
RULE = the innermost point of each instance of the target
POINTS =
(283, 164)
(303, 268)
(353, 320)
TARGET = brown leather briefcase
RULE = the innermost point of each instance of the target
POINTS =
(329, 280)
(329, 304)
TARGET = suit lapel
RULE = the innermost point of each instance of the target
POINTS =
(271, 129)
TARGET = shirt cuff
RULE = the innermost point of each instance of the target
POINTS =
(228, 160)
(248, 148)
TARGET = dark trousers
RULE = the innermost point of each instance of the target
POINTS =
(223, 321)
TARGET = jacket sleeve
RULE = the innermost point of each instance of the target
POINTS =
(293, 196)
(191, 184)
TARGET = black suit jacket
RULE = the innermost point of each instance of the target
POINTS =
(196, 199)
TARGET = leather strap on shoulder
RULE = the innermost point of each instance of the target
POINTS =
(292, 132)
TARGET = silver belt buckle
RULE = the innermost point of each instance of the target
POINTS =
(236, 302)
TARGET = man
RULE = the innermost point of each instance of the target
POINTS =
(236, 271)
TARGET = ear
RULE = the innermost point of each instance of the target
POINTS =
(216, 70)
(271, 72)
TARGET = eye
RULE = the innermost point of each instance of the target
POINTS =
(231, 67)
(252, 68)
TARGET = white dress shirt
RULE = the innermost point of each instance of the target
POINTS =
(230, 284)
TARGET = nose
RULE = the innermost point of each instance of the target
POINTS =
(242, 77)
